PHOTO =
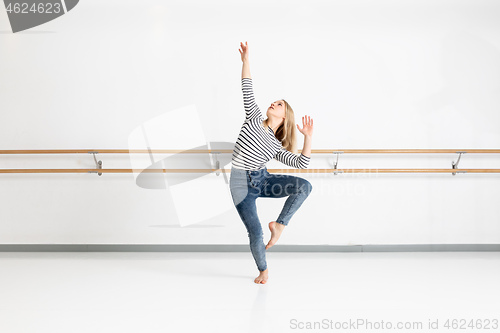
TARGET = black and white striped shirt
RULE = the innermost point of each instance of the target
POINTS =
(255, 145)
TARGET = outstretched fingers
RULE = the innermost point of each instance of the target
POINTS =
(306, 120)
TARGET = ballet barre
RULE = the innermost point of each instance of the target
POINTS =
(216, 167)
(372, 170)
(229, 151)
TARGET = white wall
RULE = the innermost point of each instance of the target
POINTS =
(372, 74)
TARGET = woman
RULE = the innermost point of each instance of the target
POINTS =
(259, 141)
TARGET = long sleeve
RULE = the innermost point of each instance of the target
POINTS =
(297, 161)
(252, 111)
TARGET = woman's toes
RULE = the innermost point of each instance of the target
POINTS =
(262, 278)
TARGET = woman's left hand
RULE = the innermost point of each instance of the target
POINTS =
(307, 126)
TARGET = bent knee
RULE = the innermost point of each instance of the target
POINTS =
(306, 186)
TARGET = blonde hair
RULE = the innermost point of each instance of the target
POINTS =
(286, 131)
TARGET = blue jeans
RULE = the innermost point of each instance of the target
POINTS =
(248, 185)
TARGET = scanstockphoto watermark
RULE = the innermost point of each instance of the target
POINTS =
(429, 324)
(353, 324)
(323, 182)
(318, 183)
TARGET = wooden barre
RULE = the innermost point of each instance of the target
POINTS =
(229, 151)
(372, 170)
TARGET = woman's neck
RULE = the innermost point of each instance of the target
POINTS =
(273, 124)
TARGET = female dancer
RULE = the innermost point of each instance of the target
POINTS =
(259, 141)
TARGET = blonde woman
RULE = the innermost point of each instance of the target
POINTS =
(259, 141)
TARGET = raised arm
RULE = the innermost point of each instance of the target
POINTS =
(245, 70)
(252, 110)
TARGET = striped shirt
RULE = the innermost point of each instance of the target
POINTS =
(257, 145)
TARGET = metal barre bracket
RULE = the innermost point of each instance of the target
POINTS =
(217, 163)
(217, 166)
(455, 165)
(335, 172)
(98, 165)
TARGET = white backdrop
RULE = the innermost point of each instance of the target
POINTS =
(118, 74)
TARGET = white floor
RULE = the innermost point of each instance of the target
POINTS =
(214, 292)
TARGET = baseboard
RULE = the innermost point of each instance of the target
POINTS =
(245, 248)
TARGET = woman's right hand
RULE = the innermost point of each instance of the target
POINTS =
(244, 51)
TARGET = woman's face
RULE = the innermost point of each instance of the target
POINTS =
(277, 109)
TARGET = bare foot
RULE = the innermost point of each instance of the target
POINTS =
(276, 229)
(262, 278)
